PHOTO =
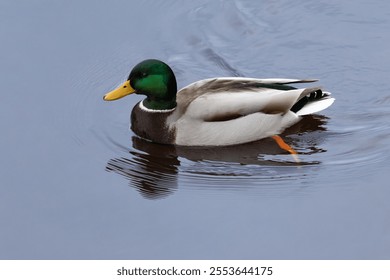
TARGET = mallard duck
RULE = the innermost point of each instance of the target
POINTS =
(215, 112)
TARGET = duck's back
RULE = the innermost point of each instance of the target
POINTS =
(228, 111)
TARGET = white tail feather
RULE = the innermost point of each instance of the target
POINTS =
(316, 106)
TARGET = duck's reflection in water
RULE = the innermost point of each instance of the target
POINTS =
(153, 168)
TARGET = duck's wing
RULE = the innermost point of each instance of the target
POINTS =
(222, 99)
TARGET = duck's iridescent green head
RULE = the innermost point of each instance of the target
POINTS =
(152, 78)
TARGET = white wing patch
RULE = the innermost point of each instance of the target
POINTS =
(216, 106)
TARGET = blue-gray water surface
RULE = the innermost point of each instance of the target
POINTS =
(76, 183)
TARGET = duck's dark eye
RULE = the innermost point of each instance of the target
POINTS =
(144, 74)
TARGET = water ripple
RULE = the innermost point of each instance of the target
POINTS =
(352, 138)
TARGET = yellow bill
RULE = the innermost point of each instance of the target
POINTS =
(123, 90)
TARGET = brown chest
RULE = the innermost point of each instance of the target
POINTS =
(152, 125)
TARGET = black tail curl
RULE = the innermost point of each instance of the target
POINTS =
(314, 95)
